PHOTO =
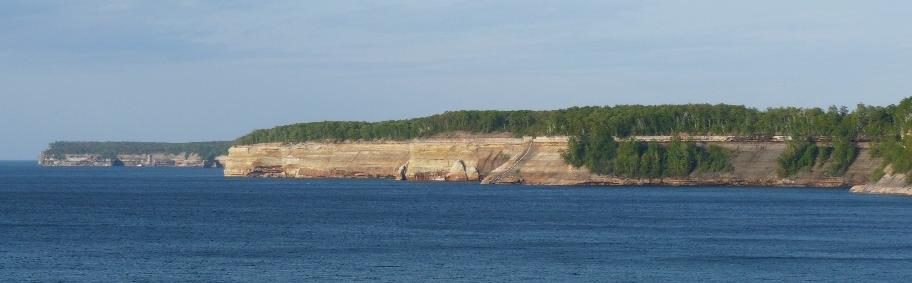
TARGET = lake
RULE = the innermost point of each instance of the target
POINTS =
(192, 224)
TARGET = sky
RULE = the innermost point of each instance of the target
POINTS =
(183, 70)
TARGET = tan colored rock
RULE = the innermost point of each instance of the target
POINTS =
(875, 189)
(472, 174)
(401, 171)
(417, 160)
(457, 172)
(507, 160)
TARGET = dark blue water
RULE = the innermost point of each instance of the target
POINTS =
(142, 224)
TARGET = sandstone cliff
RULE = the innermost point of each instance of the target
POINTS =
(452, 159)
(513, 160)
(144, 160)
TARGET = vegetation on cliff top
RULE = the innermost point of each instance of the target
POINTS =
(206, 150)
(619, 121)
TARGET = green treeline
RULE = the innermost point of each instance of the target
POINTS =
(207, 150)
(619, 121)
(637, 159)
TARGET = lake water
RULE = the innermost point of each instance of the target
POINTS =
(169, 224)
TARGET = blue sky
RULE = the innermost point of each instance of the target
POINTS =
(214, 70)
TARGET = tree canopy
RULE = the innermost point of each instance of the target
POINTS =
(620, 121)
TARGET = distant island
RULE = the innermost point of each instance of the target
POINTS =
(140, 154)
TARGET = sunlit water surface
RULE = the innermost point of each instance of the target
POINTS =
(160, 224)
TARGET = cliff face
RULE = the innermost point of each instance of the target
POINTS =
(513, 160)
(460, 159)
(753, 164)
(144, 160)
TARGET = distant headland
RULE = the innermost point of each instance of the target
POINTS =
(138, 154)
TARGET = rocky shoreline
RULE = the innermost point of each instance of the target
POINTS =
(889, 184)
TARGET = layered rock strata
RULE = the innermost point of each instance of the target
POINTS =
(463, 159)
(535, 161)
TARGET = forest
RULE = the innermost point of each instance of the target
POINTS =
(619, 121)
(206, 150)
